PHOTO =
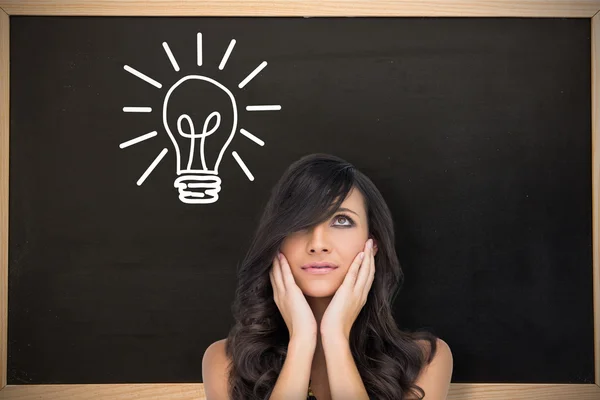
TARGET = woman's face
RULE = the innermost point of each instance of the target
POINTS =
(337, 241)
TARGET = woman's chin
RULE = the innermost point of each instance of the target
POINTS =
(319, 290)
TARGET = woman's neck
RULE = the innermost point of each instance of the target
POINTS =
(318, 306)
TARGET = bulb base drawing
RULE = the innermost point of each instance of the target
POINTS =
(198, 188)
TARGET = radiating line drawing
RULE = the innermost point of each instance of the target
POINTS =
(252, 74)
(142, 76)
(171, 57)
(227, 54)
(198, 185)
(138, 139)
(137, 109)
(152, 166)
(252, 137)
(242, 165)
(263, 108)
(199, 50)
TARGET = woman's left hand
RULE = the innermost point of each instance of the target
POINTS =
(351, 296)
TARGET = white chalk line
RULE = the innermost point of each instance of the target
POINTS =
(242, 165)
(138, 139)
(137, 109)
(227, 54)
(263, 108)
(152, 166)
(171, 57)
(142, 76)
(199, 40)
(252, 137)
(253, 74)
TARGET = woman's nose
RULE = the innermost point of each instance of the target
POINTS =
(318, 241)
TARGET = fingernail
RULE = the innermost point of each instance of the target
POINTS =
(369, 243)
(279, 256)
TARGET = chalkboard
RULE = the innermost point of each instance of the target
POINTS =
(476, 131)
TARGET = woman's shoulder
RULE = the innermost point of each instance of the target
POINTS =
(441, 347)
(215, 370)
(435, 376)
(219, 343)
(216, 351)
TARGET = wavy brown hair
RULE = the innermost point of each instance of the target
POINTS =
(309, 193)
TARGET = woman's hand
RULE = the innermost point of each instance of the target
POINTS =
(351, 296)
(290, 300)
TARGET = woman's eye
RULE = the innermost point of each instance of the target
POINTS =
(345, 221)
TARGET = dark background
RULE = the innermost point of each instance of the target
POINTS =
(476, 130)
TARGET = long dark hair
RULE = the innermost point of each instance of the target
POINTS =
(309, 192)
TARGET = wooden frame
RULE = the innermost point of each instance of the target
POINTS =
(317, 8)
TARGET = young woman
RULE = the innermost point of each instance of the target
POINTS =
(313, 306)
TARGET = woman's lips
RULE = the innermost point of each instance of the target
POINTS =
(319, 267)
(319, 271)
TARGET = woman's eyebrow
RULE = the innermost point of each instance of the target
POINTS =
(347, 209)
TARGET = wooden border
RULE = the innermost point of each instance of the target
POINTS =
(314, 8)
(300, 8)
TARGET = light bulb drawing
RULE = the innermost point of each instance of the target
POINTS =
(205, 179)
(190, 138)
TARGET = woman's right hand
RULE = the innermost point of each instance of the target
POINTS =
(290, 300)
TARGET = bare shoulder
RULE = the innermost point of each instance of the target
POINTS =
(435, 377)
(215, 365)
(219, 345)
(215, 353)
(442, 349)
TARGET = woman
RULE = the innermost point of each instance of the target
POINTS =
(313, 306)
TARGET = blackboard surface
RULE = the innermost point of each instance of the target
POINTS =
(477, 132)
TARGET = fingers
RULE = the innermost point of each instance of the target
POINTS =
(363, 272)
(354, 269)
(277, 277)
(371, 275)
(286, 271)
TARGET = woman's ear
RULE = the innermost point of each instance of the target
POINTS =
(374, 245)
